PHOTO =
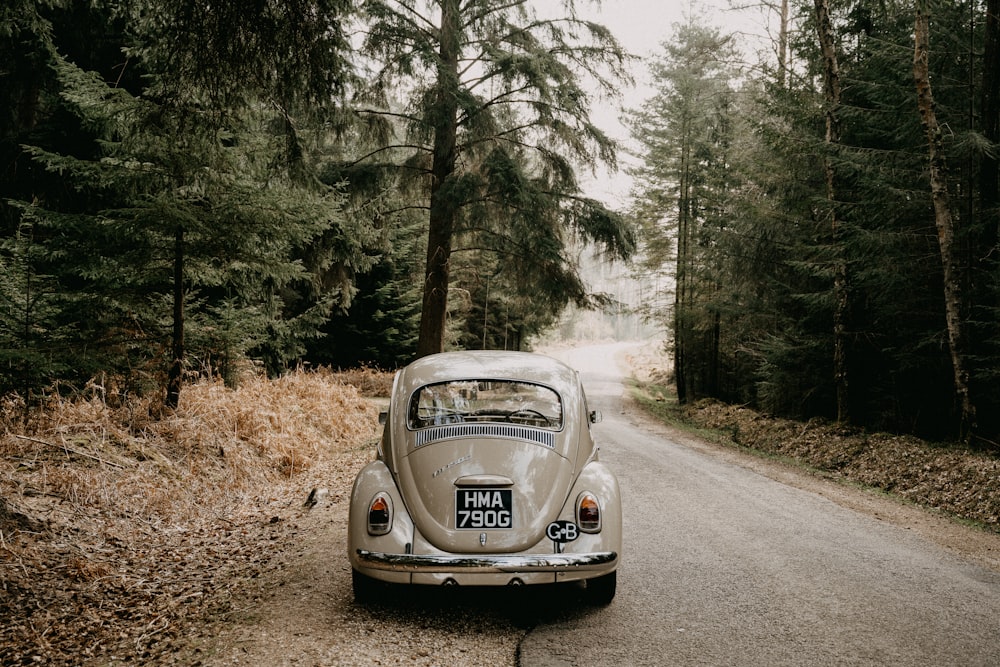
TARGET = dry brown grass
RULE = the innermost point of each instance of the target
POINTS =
(370, 381)
(954, 479)
(220, 439)
(110, 514)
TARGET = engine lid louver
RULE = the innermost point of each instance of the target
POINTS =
(509, 431)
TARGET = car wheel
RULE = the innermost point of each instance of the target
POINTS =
(366, 589)
(600, 591)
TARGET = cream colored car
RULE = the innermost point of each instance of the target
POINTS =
(486, 475)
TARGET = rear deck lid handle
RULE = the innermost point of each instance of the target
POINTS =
(484, 480)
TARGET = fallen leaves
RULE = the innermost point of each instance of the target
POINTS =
(120, 536)
(954, 479)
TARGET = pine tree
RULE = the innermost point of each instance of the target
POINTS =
(29, 303)
(495, 122)
(685, 131)
(187, 195)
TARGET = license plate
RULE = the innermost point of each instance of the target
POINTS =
(479, 509)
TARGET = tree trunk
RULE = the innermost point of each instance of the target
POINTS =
(682, 296)
(783, 45)
(944, 220)
(989, 171)
(443, 207)
(176, 374)
(831, 79)
(714, 388)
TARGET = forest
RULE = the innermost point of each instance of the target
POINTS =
(829, 214)
(195, 189)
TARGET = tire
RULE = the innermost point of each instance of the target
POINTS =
(601, 590)
(366, 589)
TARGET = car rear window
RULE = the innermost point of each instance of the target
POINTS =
(471, 401)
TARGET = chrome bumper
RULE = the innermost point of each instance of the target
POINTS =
(443, 563)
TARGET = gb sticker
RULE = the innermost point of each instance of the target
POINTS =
(562, 531)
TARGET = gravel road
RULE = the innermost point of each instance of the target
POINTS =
(722, 565)
(725, 566)
(303, 612)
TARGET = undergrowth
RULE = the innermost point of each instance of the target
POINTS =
(118, 520)
(956, 480)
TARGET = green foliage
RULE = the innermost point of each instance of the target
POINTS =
(230, 55)
(494, 126)
(380, 328)
(756, 285)
(175, 209)
(29, 303)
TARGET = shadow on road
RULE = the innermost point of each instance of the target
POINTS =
(454, 607)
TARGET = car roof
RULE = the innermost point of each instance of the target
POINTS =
(488, 365)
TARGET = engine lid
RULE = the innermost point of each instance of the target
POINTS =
(458, 489)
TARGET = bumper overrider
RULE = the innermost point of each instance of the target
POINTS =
(442, 563)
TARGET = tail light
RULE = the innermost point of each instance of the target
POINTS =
(380, 514)
(588, 513)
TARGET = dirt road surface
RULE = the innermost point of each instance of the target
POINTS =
(725, 566)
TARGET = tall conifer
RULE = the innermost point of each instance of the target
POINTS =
(496, 123)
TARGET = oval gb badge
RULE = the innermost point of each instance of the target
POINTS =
(562, 531)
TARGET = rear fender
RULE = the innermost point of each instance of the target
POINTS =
(375, 478)
(598, 479)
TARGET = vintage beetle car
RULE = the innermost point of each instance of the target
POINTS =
(486, 475)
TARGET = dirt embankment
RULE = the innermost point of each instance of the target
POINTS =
(122, 535)
(953, 479)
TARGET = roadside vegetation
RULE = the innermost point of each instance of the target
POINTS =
(121, 530)
(948, 477)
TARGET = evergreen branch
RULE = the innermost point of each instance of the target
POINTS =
(552, 108)
(509, 246)
(413, 18)
(403, 209)
(500, 136)
(500, 9)
(400, 58)
(383, 149)
(390, 114)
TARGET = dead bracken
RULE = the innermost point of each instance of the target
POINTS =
(119, 531)
(954, 479)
